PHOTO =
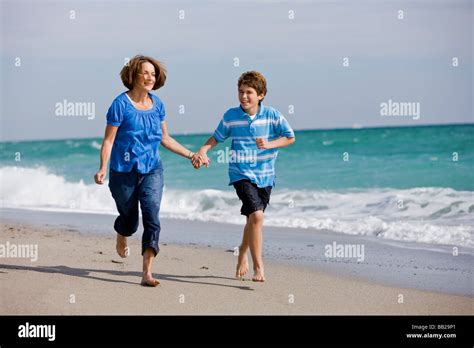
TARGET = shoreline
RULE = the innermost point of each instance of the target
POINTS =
(80, 273)
(393, 263)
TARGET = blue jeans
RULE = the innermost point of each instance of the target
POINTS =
(127, 190)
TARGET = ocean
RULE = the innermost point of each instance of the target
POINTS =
(407, 184)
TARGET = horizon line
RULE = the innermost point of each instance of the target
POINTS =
(354, 127)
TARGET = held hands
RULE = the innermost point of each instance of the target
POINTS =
(99, 177)
(199, 159)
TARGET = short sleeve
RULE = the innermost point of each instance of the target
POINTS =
(222, 131)
(283, 128)
(160, 108)
(115, 113)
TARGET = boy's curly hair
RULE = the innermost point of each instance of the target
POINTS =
(255, 80)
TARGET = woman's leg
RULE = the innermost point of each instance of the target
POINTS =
(150, 194)
(147, 278)
(124, 189)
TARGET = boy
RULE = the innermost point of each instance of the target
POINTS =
(257, 131)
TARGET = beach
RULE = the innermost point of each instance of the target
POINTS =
(77, 271)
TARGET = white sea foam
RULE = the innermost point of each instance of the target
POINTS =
(96, 145)
(428, 215)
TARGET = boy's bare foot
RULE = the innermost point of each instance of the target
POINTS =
(242, 266)
(122, 248)
(258, 275)
(149, 281)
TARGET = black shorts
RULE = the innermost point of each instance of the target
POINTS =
(253, 197)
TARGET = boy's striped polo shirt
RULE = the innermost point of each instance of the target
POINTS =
(246, 161)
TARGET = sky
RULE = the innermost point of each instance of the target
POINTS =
(328, 64)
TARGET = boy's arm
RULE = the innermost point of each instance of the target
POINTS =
(280, 142)
(209, 144)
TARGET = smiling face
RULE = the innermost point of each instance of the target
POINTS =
(249, 99)
(146, 77)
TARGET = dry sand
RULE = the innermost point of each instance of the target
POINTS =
(80, 273)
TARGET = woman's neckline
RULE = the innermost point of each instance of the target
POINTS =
(133, 105)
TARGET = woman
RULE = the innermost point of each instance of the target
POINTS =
(135, 128)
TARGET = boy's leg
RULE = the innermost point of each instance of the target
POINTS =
(243, 262)
(254, 201)
(255, 240)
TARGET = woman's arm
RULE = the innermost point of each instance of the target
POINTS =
(171, 144)
(106, 149)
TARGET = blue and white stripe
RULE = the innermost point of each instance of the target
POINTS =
(268, 124)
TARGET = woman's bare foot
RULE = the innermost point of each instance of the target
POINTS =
(258, 275)
(148, 280)
(148, 258)
(122, 248)
(242, 265)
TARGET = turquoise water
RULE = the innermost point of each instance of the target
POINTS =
(396, 184)
(406, 157)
